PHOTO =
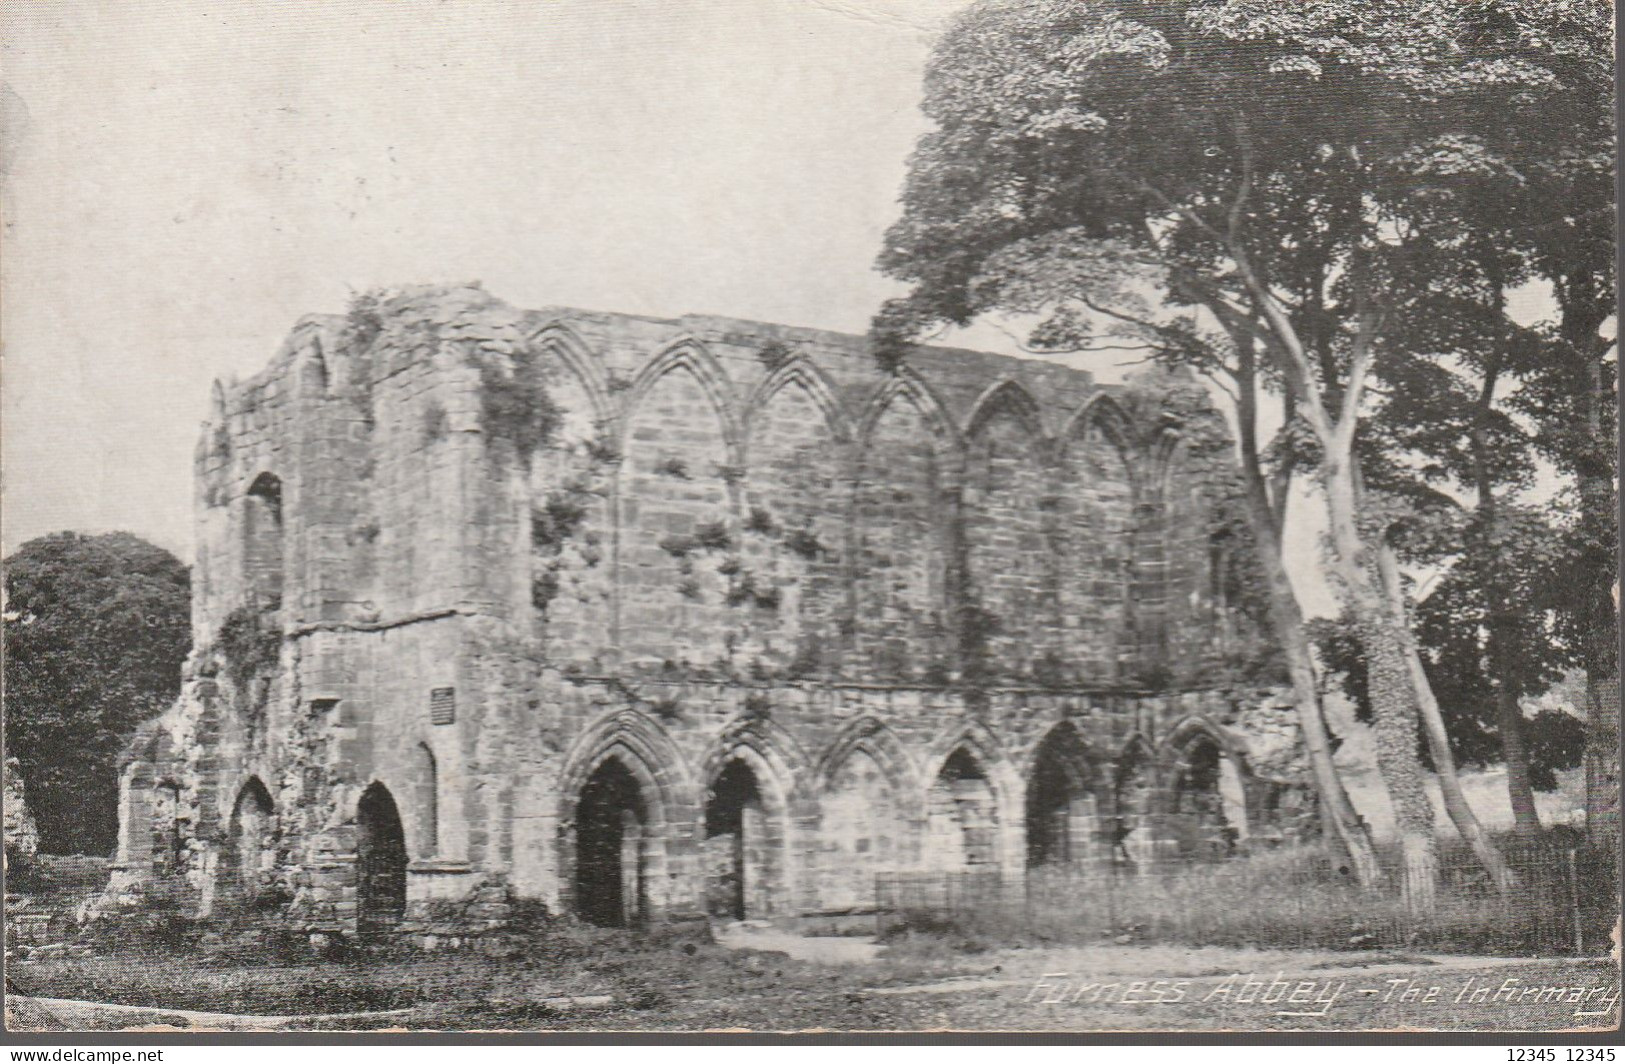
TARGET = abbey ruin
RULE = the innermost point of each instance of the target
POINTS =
(647, 619)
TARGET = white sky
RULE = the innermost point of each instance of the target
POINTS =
(189, 177)
(186, 178)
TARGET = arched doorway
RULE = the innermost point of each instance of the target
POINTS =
(611, 873)
(168, 829)
(963, 815)
(380, 861)
(1060, 801)
(741, 847)
(1134, 828)
(248, 842)
(1203, 820)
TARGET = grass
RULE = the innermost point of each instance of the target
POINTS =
(505, 982)
(1288, 898)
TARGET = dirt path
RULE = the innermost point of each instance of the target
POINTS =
(69, 1013)
(819, 949)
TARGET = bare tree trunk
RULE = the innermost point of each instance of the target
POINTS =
(1500, 647)
(1264, 517)
(1392, 689)
(1509, 722)
(1444, 762)
(1393, 695)
(1286, 618)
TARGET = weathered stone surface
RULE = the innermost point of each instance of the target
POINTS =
(750, 625)
(21, 836)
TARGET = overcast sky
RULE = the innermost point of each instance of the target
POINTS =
(186, 178)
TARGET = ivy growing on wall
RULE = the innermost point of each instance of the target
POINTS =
(249, 643)
(554, 523)
(515, 405)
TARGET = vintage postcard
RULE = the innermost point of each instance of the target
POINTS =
(810, 515)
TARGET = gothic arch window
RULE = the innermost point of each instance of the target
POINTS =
(262, 539)
(426, 783)
(1009, 544)
(900, 561)
(1094, 524)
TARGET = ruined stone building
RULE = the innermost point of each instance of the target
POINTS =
(644, 618)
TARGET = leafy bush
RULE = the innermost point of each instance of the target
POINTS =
(96, 629)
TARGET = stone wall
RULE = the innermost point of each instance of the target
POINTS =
(643, 617)
(21, 835)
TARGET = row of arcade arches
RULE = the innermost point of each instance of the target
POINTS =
(765, 845)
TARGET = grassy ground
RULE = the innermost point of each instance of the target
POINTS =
(919, 982)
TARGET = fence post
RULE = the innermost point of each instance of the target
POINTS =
(1111, 900)
(1574, 904)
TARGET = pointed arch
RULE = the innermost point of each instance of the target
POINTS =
(381, 858)
(1206, 802)
(976, 739)
(902, 535)
(1192, 727)
(1136, 748)
(751, 808)
(623, 787)
(248, 851)
(768, 744)
(1006, 394)
(870, 735)
(1066, 734)
(1094, 528)
(690, 355)
(1195, 553)
(1135, 808)
(262, 538)
(679, 473)
(799, 371)
(796, 494)
(1008, 508)
(571, 592)
(642, 738)
(563, 342)
(910, 387)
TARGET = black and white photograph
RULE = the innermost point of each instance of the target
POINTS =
(810, 516)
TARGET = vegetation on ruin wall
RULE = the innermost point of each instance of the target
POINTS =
(249, 644)
(515, 407)
(552, 525)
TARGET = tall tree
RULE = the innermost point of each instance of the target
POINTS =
(1255, 160)
(96, 629)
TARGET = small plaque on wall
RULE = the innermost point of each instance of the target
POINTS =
(443, 705)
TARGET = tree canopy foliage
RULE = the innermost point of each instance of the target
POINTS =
(1329, 200)
(96, 629)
